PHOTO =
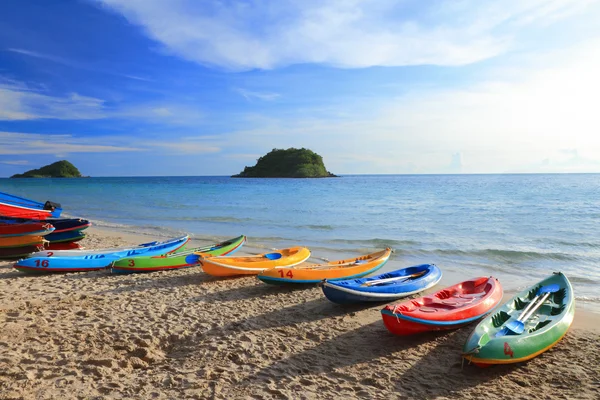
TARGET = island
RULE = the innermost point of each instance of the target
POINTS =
(59, 169)
(288, 163)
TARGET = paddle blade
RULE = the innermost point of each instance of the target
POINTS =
(515, 327)
(549, 289)
(273, 256)
(193, 258)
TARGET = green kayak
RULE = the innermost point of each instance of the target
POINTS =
(529, 324)
(177, 260)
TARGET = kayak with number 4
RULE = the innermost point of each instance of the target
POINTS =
(529, 324)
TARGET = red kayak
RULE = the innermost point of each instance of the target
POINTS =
(63, 246)
(29, 228)
(449, 308)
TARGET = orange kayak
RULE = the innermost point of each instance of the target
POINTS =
(254, 265)
(18, 241)
(333, 270)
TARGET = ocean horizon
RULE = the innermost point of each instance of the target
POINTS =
(517, 227)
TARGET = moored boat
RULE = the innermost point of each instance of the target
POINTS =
(449, 308)
(81, 260)
(385, 287)
(354, 267)
(253, 265)
(18, 207)
(527, 325)
(176, 260)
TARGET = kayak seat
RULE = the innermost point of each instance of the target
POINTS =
(428, 309)
(471, 295)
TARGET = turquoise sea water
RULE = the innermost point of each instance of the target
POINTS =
(518, 228)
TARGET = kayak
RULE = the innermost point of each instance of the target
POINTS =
(527, 325)
(177, 260)
(334, 270)
(172, 245)
(385, 287)
(62, 246)
(22, 229)
(19, 207)
(19, 241)
(253, 265)
(65, 236)
(81, 260)
(69, 224)
(450, 308)
(19, 252)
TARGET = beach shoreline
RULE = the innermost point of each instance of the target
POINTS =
(183, 334)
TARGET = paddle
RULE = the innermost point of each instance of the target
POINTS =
(518, 326)
(387, 280)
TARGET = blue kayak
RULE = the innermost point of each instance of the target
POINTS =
(82, 260)
(385, 287)
(65, 236)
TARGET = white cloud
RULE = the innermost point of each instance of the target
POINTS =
(15, 162)
(264, 96)
(549, 112)
(347, 33)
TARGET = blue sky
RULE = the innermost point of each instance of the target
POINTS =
(183, 87)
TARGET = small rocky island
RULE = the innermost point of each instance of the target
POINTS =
(289, 163)
(59, 169)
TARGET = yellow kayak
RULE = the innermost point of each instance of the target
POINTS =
(20, 241)
(333, 270)
(253, 265)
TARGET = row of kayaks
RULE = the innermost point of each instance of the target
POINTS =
(530, 323)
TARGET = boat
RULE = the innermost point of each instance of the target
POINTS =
(177, 260)
(19, 252)
(450, 308)
(82, 260)
(62, 246)
(385, 287)
(527, 325)
(69, 224)
(18, 207)
(253, 265)
(334, 270)
(23, 229)
(123, 251)
(65, 236)
(20, 241)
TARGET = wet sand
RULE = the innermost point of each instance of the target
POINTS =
(183, 334)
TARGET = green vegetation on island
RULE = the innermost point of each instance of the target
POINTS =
(290, 163)
(59, 169)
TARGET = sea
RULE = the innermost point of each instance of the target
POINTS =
(517, 227)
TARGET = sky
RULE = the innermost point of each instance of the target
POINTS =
(185, 87)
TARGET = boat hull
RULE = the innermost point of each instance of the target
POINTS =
(19, 252)
(177, 260)
(24, 229)
(385, 287)
(253, 265)
(543, 330)
(449, 308)
(20, 241)
(335, 270)
(19, 207)
(65, 236)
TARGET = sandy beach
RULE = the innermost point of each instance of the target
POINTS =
(184, 334)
